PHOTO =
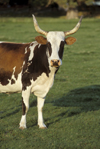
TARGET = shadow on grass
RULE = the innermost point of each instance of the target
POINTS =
(13, 112)
(77, 101)
(82, 99)
(14, 109)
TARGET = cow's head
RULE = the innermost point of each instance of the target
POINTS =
(55, 41)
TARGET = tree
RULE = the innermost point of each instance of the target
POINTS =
(50, 2)
(18, 2)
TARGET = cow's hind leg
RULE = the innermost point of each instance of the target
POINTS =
(25, 107)
(40, 104)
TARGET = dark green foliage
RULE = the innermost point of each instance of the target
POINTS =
(38, 3)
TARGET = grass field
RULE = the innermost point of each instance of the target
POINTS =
(72, 107)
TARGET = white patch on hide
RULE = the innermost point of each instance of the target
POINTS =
(25, 50)
(39, 45)
(32, 50)
(16, 87)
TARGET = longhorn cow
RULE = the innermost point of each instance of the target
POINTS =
(31, 67)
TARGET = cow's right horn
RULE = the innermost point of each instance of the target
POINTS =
(37, 28)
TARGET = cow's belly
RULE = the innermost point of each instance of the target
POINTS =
(12, 87)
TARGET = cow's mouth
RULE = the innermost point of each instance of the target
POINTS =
(55, 66)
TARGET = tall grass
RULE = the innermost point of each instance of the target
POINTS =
(72, 107)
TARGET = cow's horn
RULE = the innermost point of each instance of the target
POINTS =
(74, 29)
(37, 28)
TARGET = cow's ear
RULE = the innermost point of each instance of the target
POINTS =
(41, 39)
(70, 40)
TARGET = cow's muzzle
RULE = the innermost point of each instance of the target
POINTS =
(55, 63)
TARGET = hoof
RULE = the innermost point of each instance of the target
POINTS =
(43, 127)
(22, 128)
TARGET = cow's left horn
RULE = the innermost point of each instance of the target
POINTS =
(74, 29)
(37, 28)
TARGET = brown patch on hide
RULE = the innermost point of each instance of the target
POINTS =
(11, 55)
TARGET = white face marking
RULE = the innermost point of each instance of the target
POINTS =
(55, 39)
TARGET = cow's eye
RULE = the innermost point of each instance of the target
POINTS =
(49, 48)
(61, 49)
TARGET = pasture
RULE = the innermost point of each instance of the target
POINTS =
(72, 106)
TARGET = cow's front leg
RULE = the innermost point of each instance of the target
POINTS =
(25, 107)
(40, 104)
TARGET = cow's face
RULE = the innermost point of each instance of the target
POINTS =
(55, 42)
(55, 46)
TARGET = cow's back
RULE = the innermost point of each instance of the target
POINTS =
(12, 57)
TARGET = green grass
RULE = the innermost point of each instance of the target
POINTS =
(72, 107)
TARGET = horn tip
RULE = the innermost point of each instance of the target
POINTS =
(81, 18)
(33, 16)
(34, 19)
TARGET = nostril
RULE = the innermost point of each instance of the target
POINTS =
(52, 61)
(55, 61)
